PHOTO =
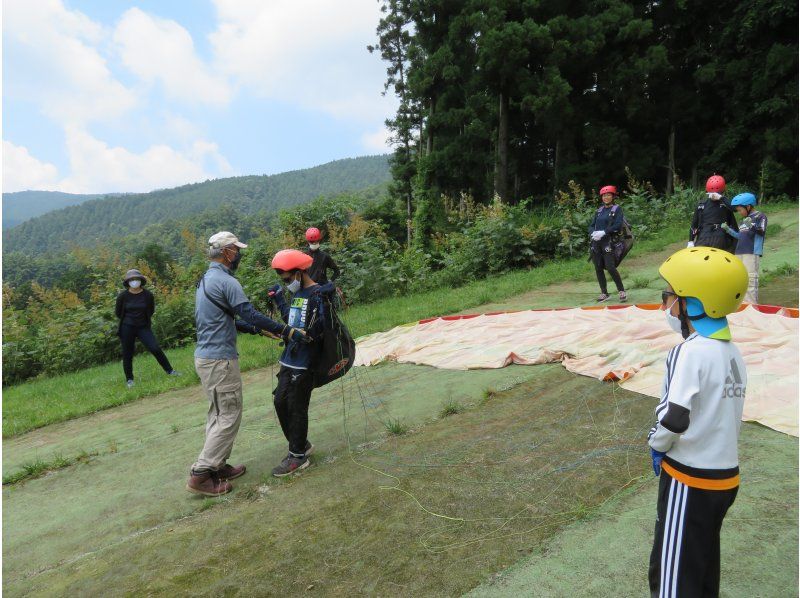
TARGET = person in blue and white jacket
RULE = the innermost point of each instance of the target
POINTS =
(750, 237)
(694, 443)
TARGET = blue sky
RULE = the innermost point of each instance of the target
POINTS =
(115, 95)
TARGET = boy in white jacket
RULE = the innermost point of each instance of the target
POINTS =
(694, 442)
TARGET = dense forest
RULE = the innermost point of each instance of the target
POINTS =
(24, 205)
(517, 97)
(99, 220)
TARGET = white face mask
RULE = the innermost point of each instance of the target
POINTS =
(135, 284)
(313, 246)
(293, 286)
(674, 323)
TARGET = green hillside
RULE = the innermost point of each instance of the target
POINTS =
(100, 219)
(24, 205)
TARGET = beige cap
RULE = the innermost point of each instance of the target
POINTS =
(223, 239)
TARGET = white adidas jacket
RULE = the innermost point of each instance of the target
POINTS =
(700, 413)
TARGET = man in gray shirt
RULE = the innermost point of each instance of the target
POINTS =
(218, 300)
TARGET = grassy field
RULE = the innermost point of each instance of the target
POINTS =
(518, 481)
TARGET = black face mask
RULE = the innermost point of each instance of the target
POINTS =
(235, 261)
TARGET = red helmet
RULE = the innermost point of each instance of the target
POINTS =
(715, 184)
(291, 259)
(313, 235)
(608, 189)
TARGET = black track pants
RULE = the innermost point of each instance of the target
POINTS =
(684, 562)
(128, 335)
(292, 396)
(603, 259)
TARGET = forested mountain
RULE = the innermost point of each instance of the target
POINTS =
(519, 97)
(101, 220)
(24, 205)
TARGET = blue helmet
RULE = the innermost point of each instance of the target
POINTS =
(744, 199)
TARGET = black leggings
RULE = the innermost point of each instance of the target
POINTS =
(603, 259)
(128, 335)
(291, 398)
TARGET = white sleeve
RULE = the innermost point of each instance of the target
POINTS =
(681, 386)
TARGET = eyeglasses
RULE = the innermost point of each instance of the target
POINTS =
(665, 295)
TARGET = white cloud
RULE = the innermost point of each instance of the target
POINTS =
(307, 52)
(97, 168)
(22, 172)
(159, 50)
(377, 141)
(57, 65)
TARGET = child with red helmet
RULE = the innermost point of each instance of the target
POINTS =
(318, 270)
(292, 394)
(709, 216)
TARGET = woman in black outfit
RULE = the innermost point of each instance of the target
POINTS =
(135, 307)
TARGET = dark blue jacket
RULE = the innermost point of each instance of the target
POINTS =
(306, 311)
(609, 219)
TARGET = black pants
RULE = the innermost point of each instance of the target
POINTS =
(128, 336)
(292, 396)
(685, 557)
(603, 259)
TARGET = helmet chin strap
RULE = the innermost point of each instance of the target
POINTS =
(684, 318)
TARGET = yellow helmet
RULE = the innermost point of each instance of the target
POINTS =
(718, 279)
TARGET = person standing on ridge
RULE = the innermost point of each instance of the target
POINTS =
(322, 261)
(607, 223)
(218, 300)
(135, 308)
(750, 239)
(694, 443)
(709, 216)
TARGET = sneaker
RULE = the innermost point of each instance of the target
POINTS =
(207, 484)
(623, 296)
(602, 297)
(174, 373)
(309, 448)
(129, 383)
(231, 472)
(290, 465)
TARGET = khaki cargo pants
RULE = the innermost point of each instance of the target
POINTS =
(222, 381)
(752, 263)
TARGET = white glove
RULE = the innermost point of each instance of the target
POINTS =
(716, 196)
(724, 226)
(598, 234)
(690, 244)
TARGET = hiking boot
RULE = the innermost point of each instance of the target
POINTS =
(309, 448)
(231, 472)
(207, 484)
(129, 384)
(602, 297)
(623, 296)
(290, 465)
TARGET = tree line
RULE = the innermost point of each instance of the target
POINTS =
(517, 97)
(100, 220)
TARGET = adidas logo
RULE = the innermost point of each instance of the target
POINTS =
(733, 383)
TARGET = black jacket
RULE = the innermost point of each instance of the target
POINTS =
(318, 270)
(119, 310)
(706, 231)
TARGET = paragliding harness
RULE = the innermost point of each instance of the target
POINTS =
(621, 242)
(336, 348)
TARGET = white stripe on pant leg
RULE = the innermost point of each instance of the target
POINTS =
(681, 517)
(665, 535)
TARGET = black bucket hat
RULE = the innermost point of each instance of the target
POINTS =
(132, 275)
